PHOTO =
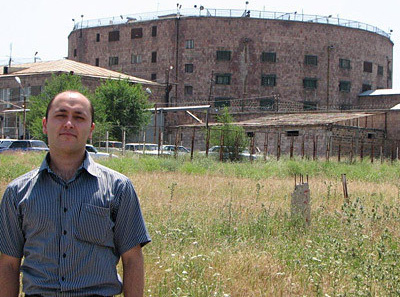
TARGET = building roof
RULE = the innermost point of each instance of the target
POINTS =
(303, 119)
(69, 66)
(380, 92)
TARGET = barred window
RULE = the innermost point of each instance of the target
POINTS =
(113, 36)
(154, 31)
(268, 57)
(136, 33)
(380, 70)
(223, 79)
(222, 102)
(267, 104)
(268, 80)
(309, 105)
(344, 86)
(154, 57)
(223, 55)
(113, 61)
(136, 59)
(189, 44)
(188, 68)
(310, 83)
(188, 90)
(344, 63)
(368, 67)
(311, 60)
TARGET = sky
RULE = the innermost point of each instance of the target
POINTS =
(43, 26)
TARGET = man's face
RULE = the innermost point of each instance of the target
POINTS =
(69, 124)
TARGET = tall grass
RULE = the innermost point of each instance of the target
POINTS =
(224, 229)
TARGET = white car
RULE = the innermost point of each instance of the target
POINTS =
(95, 154)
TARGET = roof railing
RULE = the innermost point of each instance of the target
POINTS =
(232, 13)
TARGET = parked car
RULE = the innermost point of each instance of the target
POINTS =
(143, 148)
(112, 145)
(169, 149)
(12, 145)
(95, 154)
(229, 154)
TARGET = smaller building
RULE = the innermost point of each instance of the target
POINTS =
(32, 78)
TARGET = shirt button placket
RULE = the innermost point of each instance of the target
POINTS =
(64, 234)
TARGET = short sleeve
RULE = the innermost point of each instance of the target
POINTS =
(11, 235)
(130, 229)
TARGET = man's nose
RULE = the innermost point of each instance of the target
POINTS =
(69, 123)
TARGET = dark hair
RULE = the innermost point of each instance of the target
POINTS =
(72, 91)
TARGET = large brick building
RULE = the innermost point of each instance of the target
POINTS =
(257, 62)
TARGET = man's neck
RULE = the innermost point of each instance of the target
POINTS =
(65, 166)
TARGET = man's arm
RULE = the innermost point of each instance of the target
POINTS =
(9, 275)
(133, 267)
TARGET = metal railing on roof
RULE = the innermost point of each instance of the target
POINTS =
(232, 13)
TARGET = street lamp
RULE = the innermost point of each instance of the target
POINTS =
(24, 94)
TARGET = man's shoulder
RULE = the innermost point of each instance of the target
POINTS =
(24, 178)
(105, 172)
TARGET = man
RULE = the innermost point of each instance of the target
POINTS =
(71, 219)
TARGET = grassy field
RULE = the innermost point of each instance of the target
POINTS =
(224, 229)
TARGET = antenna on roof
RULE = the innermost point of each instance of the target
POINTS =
(9, 61)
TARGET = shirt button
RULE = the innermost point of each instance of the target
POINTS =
(66, 187)
(65, 232)
(63, 278)
(65, 209)
(64, 255)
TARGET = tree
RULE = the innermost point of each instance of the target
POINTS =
(38, 104)
(232, 137)
(124, 105)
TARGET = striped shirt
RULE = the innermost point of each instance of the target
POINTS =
(71, 234)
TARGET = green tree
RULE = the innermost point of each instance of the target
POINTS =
(37, 104)
(124, 105)
(231, 136)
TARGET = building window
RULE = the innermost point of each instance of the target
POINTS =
(97, 62)
(345, 106)
(136, 59)
(268, 80)
(344, 63)
(223, 55)
(75, 52)
(154, 57)
(371, 136)
(310, 83)
(188, 68)
(267, 104)
(292, 133)
(368, 67)
(380, 70)
(113, 36)
(35, 90)
(154, 31)
(136, 33)
(311, 60)
(366, 87)
(113, 61)
(344, 86)
(268, 57)
(154, 76)
(309, 105)
(98, 37)
(189, 44)
(223, 79)
(222, 102)
(188, 90)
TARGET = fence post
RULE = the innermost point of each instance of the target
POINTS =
(345, 193)
(208, 140)
(192, 148)
(372, 152)
(265, 146)
(278, 148)
(328, 148)
(352, 149)
(339, 149)
(362, 150)
(302, 146)
(291, 146)
(315, 147)
(221, 146)
(252, 143)
(176, 143)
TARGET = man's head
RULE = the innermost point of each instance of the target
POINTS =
(51, 102)
(68, 123)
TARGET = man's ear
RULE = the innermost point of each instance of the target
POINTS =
(91, 131)
(44, 125)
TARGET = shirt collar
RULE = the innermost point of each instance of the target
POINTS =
(88, 164)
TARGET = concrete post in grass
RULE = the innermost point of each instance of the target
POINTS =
(301, 206)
